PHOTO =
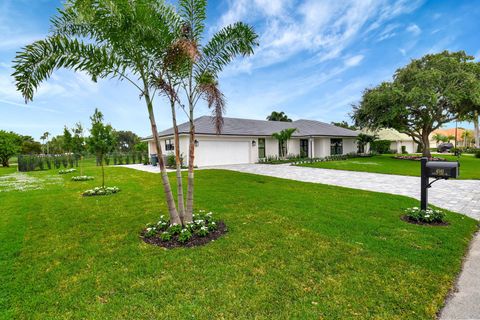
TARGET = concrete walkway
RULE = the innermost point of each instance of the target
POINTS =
(462, 196)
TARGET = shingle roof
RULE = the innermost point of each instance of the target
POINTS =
(248, 127)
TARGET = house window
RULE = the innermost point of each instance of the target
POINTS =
(261, 148)
(169, 145)
(303, 148)
(336, 146)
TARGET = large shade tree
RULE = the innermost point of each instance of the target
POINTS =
(278, 116)
(424, 95)
(8, 147)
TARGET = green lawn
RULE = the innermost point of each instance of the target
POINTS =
(469, 165)
(294, 251)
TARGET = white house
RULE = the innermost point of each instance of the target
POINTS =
(246, 141)
(397, 140)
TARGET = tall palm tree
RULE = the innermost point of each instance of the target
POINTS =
(201, 80)
(123, 39)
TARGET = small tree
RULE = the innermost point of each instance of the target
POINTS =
(283, 137)
(8, 147)
(363, 140)
(101, 140)
(423, 95)
(78, 144)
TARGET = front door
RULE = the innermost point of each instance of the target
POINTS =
(304, 148)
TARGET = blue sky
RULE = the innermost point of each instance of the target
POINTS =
(315, 59)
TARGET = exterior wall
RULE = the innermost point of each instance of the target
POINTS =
(411, 146)
(321, 147)
(349, 145)
(294, 146)
(271, 147)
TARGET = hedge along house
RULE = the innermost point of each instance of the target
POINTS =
(246, 141)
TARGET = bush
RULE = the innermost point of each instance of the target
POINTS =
(82, 178)
(381, 146)
(477, 154)
(66, 171)
(404, 150)
(171, 160)
(425, 216)
(184, 236)
(101, 191)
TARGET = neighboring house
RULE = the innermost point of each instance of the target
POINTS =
(246, 141)
(398, 140)
(447, 133)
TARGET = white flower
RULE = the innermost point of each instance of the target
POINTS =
(204, 228)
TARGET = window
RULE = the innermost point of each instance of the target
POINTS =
(303, 148)
(169, 145)
(261, 148)
(336, 146)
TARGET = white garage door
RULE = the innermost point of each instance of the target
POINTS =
(213, 153)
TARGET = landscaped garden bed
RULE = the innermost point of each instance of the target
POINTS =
(417, 158)
(203, 229)
(430, 217)
(100, 191)
(82, 178)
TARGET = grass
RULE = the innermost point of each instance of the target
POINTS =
(469, 165)
(294, 251)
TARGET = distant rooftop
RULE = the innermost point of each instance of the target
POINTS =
(247, 127)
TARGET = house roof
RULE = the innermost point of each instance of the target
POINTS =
(390, 134)
(449, 132)
(247, 127)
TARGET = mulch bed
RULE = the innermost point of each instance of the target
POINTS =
(194, 241)
(432, 224)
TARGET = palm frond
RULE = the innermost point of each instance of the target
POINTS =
(225, 45)
(194, 14)
(36, 62)
(210, 91)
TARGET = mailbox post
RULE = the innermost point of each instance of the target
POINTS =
(438, 170)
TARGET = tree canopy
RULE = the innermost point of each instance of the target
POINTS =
(424, 95)
(8, 146)
(278, 116)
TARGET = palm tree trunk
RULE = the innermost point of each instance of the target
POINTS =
(191, 159)
(178, 163)
(476, 130)
(172, 210)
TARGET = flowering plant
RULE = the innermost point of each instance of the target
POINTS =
(426, 216)
(184, 236)
(101, 191)
(82, 178)
(67, 171)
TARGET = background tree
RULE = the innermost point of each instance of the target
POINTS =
(44, 138)
(424, 95)
(78, 140)
(438, 137)
(126, 141)
(8, 146)
(278, 116)
(28, 145)
(344, 124)
(283, 137)
(56, 145)
(106, 39)
(67, 140)
(101, 140)
(363, 140)
(234, 40)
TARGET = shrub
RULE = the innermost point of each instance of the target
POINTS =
(165, 236)
(66, 171)
(100, 191)
(404, 150)
(172, 162)
(82, 178)
(203, 231)
(477, 154)
(425, 216)
(380, 146)
(184, 236)
(150, 232)
(175, 229)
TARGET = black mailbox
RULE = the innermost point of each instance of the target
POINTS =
(442, 169)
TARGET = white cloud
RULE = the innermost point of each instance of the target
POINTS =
(322, 28)
(353, 61)
(414, 29)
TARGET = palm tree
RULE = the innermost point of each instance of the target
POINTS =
(438, 137)
(127, 40)
(283, 137)
(201, 73)
(278, 116)
(363, 140)
(450, 138)
(467, 137)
